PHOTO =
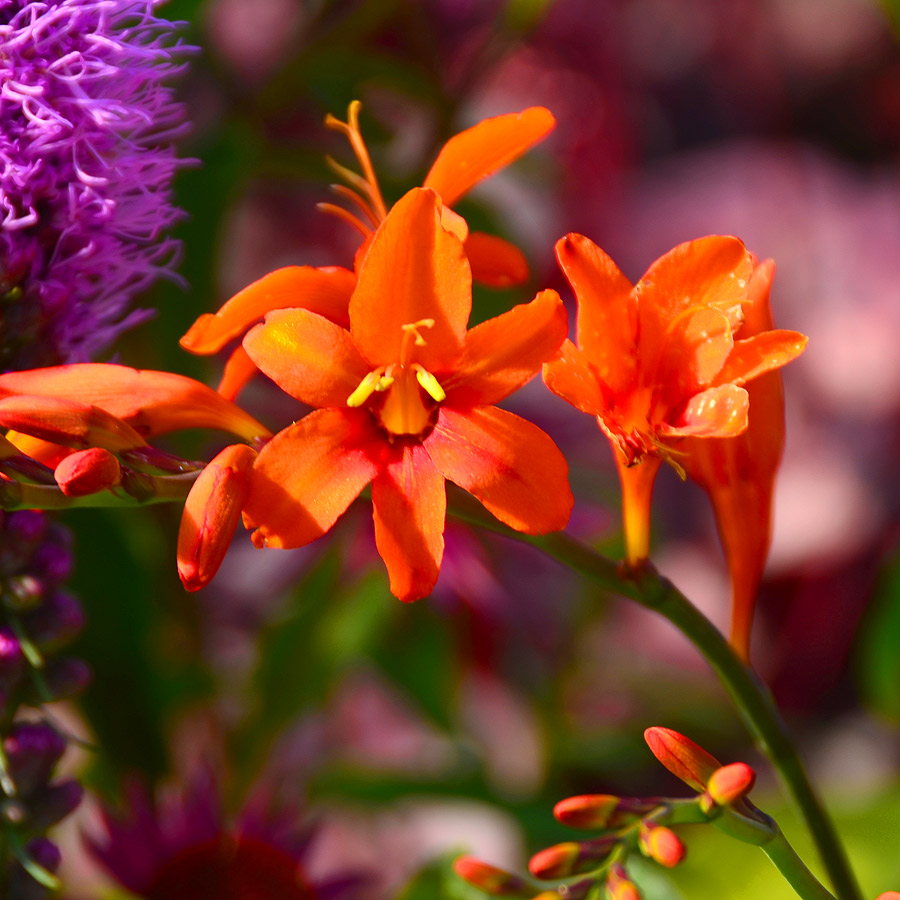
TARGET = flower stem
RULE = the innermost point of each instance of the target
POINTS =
(785, 859)
(752, 698)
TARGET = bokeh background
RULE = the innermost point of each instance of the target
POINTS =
(412, 733)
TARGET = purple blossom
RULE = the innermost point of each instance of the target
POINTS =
(86, 167)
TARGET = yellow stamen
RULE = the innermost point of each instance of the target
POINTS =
(429, 383)
(365, 388)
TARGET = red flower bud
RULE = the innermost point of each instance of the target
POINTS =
(596, 811)
(661, 844)
(492, 880)
(211, 514)
(619, 886)
(571, 857)
(67, 422)
(730, 783)
(87, 472)
(681, 756)
(889, 895)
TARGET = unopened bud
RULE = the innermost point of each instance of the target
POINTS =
(571, 857)
(32, 750)
(661, 844)
(55, 622)
(681, 756)
(67, 422)
(51, 804)
(211, 515)
(63, 677)
(730, 783)
(22, 885)
(619, 886)
(22, 592)
(87, 472)
(492, 880)
(889, 895)
(601, 811)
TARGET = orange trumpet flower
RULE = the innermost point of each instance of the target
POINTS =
(404, 399)
(659, 361)
(465, 159)
(739, 473)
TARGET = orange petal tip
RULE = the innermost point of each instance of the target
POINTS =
(681, 756)
(730, 783)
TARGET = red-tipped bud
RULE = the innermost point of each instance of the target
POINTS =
(889, 895)
(211, 514)
(571, 858)
(661, 844)
(730, 783)
(599, 811)
(681, 756)
(619, 886)
(492, 880)
(87, 472)
(67, 422)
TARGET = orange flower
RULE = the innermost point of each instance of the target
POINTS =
(739, 473)
(404, 399)
(464, 160)
(658, 362)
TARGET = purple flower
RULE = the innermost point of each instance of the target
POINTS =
(87, 122)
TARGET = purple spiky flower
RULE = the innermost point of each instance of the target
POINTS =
(87, 123)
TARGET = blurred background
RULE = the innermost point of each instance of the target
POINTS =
(412, 733)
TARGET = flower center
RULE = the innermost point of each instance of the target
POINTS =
(409, 390)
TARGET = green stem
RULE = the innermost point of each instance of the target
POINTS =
(785, 859)
(753, 699)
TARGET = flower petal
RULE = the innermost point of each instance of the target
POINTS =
(695, 349)
(414, 270)
(325, 291)
(410, 505)
(308, 475)
(151, 402)
(494, 261)
(506, 352)
(607, 309)
(239, 369)
(717, 412)
(508, 463)
(709, 271)
(573, 378)
(211, 514)
(307, 356)
(761, 353)
(479, 151)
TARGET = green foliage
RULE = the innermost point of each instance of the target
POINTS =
(878, 647)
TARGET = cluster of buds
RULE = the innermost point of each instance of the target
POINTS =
(625, 825)
(37, 620)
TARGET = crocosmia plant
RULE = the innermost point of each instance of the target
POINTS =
(436, 386)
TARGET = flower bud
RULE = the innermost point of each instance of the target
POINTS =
(889, 895)
(32, 750)
(571, 857)
(730, 783)
(601, 811)
(661, 844)
(681, 756)
(63, 677)
(87, 472)
(492, 880)
(67, 422)
(49, 805)
(619, 886)
(22, 592)
(55, 622)
(21, 885)
(211, 514)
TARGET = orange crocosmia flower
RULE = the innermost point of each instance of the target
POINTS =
(465, 159)
(659, 361)
(739, 473)
(404, 399)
